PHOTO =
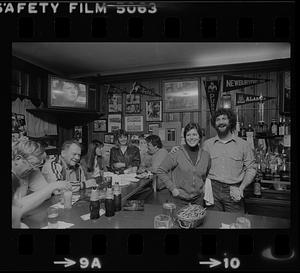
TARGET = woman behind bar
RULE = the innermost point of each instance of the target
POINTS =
(124, 158)
(189, 165)
(92, 162)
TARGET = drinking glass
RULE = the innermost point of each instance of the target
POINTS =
(52, 214)
(67, 199)
(162, 221)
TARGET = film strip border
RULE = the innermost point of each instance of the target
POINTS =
(148, 251)
(177, 21)
(152, 249)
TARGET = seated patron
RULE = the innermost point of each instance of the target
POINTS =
(92, 163)
(66, 167)
(158, 153)
(189, 165)
(124, 158)
(27, 157)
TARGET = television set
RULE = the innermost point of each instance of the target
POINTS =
(64, 93)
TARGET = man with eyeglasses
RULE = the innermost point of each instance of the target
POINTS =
(27, 157)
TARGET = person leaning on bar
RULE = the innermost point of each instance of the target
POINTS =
(189, 166)
(27, 157)
(66, 167)
(233, 164)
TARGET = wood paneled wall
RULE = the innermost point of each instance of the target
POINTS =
(247, 113)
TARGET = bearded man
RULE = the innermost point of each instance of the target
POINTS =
(233, 165)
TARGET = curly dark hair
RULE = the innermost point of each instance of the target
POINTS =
(154, 140)
(227, 112)
(190, 126)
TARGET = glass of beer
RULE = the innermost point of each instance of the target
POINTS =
(52, 217)
(67, 199)
(162, 221)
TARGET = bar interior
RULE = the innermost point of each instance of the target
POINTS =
(151, 135)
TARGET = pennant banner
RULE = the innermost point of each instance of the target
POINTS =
(212, 89)
(241, 98)
(115, 90)
(237, 82)
(140, 89)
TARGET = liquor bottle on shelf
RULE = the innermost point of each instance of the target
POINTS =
(238, 128)
(274, 127)
(268, 172)
(281, 127)
(284, 173)
(242, 130)
(257, 182)
(287, 127)
(250, 131)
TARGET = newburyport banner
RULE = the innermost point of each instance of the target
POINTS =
(236, 82)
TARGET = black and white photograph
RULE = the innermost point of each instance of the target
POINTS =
(100, 125)
(133, 104)
(181, 95)
(154, 110)
(114, 122)
(114, 103)
(181, 73)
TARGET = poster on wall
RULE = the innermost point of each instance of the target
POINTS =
(18, 124)
(133, 104)
(114, 103)
(78, 133)
(114, 123)
(154, 110)
(151, 127)
(134, 124)
(100, 125)
(181, 95)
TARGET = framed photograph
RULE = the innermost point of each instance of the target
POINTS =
(18, 123)
(134, 124)
(78, 133)
(151, 127)
(133, 104)
(109, 138)
(180, 96)
(114, 123)
(154, 110)
(285, 95)
(114, 103)
(100, 125)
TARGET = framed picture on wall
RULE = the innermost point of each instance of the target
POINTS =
(154, 110)
(114, 123)
(134, 124)
(100, 125)
(181, 95)
(78, 133)
(109, 138)
(285, 94)
(151, 127)
(133, 104)
(114, 103)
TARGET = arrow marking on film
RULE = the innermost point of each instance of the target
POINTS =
(212, 262)
(66, 262)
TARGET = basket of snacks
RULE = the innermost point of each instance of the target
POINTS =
(191, 216)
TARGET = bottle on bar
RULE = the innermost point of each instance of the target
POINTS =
(274, 127)
(287, 127)
(284, 173)
(94, 204)
(257, 182)
(117, 196)
(268, 172)
(109, 203)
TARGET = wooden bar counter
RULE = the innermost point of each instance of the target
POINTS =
(137, 219)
